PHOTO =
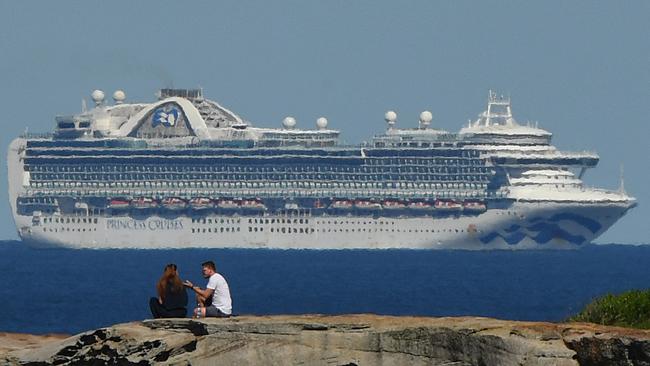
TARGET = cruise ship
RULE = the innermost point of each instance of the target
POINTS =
(186, 172)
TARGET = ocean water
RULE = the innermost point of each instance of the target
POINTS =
(69, 291)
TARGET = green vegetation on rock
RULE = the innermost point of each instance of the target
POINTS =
(629, 309)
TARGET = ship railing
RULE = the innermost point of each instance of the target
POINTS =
(277, 193)
(36, 135)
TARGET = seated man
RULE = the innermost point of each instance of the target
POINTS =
(214, 300)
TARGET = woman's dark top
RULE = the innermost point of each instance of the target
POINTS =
(174, 299)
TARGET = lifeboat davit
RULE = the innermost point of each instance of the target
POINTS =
(201, 203)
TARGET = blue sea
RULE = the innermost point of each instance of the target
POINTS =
(69, 291)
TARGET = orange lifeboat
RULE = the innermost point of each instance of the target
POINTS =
(228, 204)
(341, 205)
(420, 206)
(119, 203)
(448, 205)
(393, 205)
(474, 206)
(142, 203)
(201, 203)
(367, 205)
(254, 204)
(173, 203)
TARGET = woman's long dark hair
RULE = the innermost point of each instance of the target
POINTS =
(170, 276)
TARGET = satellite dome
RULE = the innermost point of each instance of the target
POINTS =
(98, 96)
(390, 116)
(289, 122)
(426, 117)
(119, 96)
(321, 123)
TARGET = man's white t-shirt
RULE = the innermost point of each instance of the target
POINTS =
(221, 296)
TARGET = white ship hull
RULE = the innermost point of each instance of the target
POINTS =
(522, 226)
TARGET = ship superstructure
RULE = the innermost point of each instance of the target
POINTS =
(186, 172)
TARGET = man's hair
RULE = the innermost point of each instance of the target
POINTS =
(209, 264)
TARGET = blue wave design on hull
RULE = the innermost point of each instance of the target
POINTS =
(545, 229)
(590, 224)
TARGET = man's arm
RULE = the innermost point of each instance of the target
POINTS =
(202, 294)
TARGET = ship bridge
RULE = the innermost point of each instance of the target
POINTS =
(496, 125)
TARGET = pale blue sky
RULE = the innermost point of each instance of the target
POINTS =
(579, 68)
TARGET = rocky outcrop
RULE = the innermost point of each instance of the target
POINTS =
(341, 340)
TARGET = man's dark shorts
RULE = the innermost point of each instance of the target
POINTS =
(212, 311)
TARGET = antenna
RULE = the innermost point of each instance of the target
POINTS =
(621, 185)
(84, 108)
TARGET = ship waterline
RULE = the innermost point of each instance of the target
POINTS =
(185, 172)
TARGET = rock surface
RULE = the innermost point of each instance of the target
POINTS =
(338, 340)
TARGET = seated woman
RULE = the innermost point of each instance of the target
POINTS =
(172, 297)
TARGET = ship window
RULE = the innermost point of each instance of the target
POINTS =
(66, 124)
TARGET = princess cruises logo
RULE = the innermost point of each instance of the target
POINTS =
(166, 116)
